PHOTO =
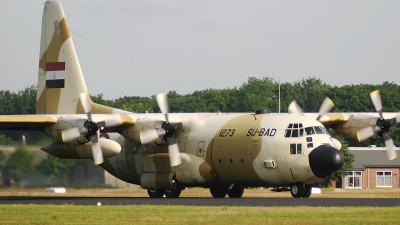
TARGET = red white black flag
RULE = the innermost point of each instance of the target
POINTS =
(55, 74)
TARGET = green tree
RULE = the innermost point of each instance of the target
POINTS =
(18, 166)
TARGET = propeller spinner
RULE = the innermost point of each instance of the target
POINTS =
(167, 132)
(381, 128)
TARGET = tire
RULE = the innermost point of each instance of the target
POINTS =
(235, 192)
(172, 193)
(155, 193)
(297, 190)
(307, 192)
(218, 192)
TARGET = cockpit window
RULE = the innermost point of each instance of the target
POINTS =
(294, 130)
(320, 130)
(315, 130)
(309, 130)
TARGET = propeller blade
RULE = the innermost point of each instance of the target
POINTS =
(367, 132)
(97, 153)
(162, 102)
(150, 135)
(390, 150)
(70, 134)
(174, 156)
(96, 150)
(295, 108)
(326, 106)
(85, 101)
(376, 100)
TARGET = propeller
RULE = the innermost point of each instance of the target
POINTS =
(381, 128)
(90, 130)
(167, 132)
(326, 106)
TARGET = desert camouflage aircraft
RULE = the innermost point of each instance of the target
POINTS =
(166, 152)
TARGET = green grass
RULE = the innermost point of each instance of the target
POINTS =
(164, 214)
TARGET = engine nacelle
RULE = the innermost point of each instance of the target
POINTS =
(356, 123)
(143, 124)
(83, 151)
(55, 130)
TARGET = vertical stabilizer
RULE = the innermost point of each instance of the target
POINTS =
(60, 76)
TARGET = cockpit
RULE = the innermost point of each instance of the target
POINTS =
(297, 130)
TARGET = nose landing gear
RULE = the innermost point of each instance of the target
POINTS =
(300, 190)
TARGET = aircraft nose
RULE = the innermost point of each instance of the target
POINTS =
(324, 160)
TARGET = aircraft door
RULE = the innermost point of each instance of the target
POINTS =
(296, 153)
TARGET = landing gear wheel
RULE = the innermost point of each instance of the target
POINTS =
(218, 192)
(155, 193)
(307, 192)
(297, 190)
(173, 193)
(236, 192)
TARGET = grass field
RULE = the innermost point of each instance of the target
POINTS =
(148, 214)
(164, 214)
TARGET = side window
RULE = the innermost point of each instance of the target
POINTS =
(295, 149)
(299, 149)
(292, 149)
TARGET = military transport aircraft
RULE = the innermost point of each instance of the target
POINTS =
(167, 152)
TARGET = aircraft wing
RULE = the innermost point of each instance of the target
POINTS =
(26, 122)
(339, 118)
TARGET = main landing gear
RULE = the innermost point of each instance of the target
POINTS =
(220, 192)
(300, 190)
(156, 193)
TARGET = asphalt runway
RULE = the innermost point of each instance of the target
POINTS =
(315, 202)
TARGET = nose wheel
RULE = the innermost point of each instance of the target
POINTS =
(300, 190)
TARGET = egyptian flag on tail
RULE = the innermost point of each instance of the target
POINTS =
(55, 74)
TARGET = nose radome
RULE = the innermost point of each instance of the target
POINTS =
(324, 160)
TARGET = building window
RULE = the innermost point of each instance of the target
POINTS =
(384, 179)
(353, 179)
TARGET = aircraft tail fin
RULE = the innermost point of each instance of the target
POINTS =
(60, 79)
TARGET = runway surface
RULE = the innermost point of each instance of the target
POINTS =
(323, 202)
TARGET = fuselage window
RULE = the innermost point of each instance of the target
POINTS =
(295, 149)
(298, 149)
(292, 149)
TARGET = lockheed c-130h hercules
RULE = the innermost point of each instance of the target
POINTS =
(167, 152)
